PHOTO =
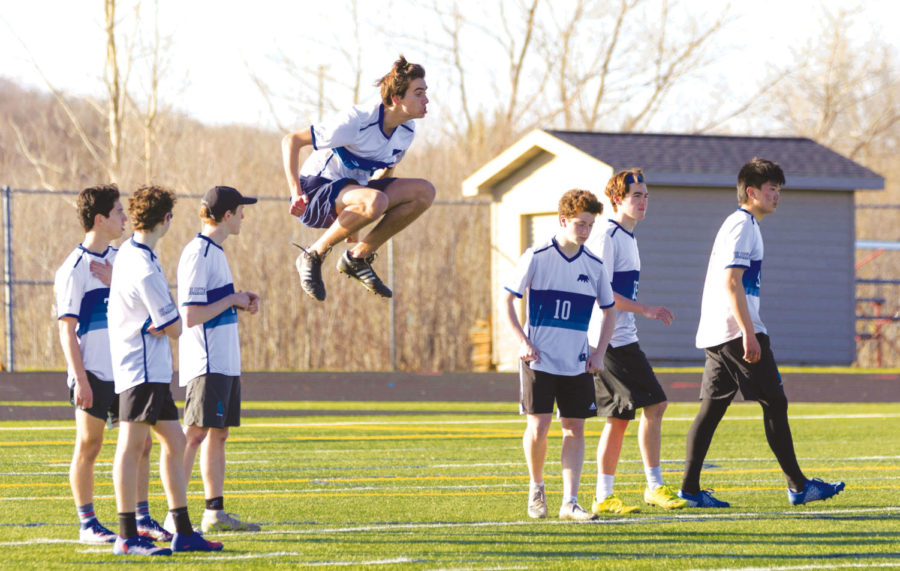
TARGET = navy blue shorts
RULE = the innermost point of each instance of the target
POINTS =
(322, 192)
(574, 396)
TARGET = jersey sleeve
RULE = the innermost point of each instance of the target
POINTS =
(605, 297)
(192, 280)
(69, 292)
(738, 244)
(337, 132)
(522, 275)
(154, 292)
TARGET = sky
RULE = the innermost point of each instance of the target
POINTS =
(216, 44)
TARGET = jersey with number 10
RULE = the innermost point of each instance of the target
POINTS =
(561, 293)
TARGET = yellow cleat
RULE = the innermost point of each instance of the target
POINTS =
(665, 497)
(612, 504)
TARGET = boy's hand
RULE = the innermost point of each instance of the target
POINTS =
(528, 352)
(752, 350)
(659, 312)
(102, 271)
(595, 362)
(299, 204)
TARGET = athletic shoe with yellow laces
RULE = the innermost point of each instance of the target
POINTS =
(665, 497)
(612, 504)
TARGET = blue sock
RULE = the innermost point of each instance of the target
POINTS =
(143, 509)
(86, 514)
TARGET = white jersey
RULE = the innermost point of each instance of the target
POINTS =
(138, 298)
(211, 347)
(738, 244)
(623, 261)
(561, 294)
(355, 146)
(82, 295)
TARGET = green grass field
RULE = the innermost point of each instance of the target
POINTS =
(443, 486)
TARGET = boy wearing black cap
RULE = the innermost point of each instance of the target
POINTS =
(209, 351)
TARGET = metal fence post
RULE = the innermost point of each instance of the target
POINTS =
(8, 278)
(393, 334)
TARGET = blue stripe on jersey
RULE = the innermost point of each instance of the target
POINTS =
(562, 309)
(92, 313)
(226, 317)
(352, 161)
(751, 278)
(626, 283)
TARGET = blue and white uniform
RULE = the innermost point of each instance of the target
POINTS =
(354, 145)
(138, 298)
(738, 244)
(620, 255)
(82, 295)
(204, 277)
(561, 295)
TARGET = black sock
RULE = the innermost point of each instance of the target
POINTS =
(182, 521)
(215, 503)
(698, 441)
(778, 433)
(127, 525)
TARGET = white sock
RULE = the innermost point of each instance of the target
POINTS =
(654, 477)
(604, 485)
(537, 485)
(570, 500)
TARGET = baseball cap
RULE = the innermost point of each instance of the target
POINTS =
(220, 199)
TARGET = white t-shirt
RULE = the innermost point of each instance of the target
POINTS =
(354, 145)
(138, 298)
(81, 295)
(561, 294)
(621, 259)
(738, 244)
(211, 347)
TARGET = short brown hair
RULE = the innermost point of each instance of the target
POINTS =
(396, 81)
(96, 200)
(576, 201)
(148, 207)
(620, 184)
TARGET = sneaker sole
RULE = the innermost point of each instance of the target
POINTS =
(365, 285)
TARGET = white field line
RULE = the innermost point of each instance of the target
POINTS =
(483, 421)
(279, 554)
(480, 524)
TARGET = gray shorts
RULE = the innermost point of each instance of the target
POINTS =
(213, 401)
(626, 383)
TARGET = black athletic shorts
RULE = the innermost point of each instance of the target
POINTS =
(213, 401)
(321, 211)
(726, 372)
(626, 383)
(573, 395)
(106, 401)
(147, 403)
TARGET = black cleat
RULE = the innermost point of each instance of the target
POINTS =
(309, 266)
(361, 269)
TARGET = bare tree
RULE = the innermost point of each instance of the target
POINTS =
(843, 94)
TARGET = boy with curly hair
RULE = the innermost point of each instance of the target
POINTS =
(561, 281)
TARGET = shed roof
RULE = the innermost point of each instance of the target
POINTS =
(714, 160)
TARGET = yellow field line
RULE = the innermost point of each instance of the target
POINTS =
(427, 493)
(485, 477)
